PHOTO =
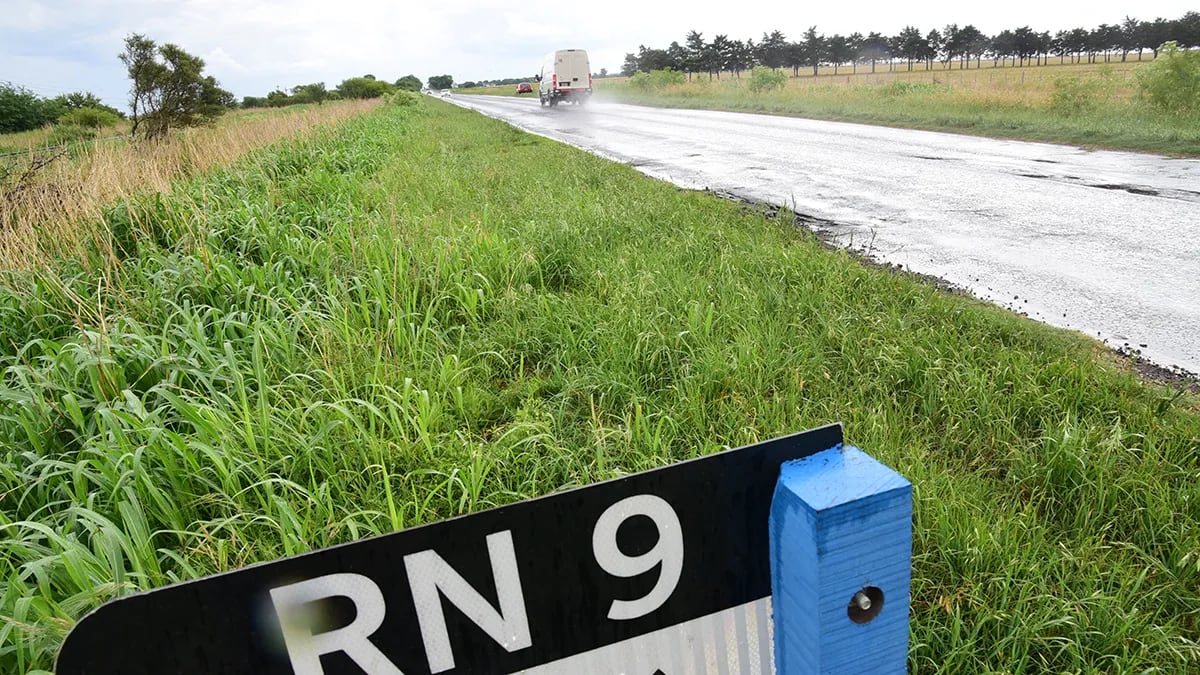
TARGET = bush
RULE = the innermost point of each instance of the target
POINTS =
(409, 83)
(362, 87)
(22, 110)
(65, 134)
(1074, 96)
(901, 88)
(404, 98)
(764, 79)
(657, 79)
(92, 118)
(1172, 82)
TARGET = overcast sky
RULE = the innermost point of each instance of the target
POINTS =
(251, 47)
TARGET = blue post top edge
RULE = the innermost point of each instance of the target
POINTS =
(837, 476)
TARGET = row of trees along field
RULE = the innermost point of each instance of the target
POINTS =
(22, 110)
(366, 86)
(953, 43)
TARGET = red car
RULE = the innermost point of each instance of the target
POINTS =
(524, 88)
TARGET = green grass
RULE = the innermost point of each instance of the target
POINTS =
(385, 326)
(1097, 105)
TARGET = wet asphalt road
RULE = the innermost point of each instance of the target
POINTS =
(1107, 243)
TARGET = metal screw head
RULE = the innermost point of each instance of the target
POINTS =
(862, 601)
(865, 604)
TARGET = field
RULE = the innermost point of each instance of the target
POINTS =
(49, 215)
(1092, 105)
(377, 325)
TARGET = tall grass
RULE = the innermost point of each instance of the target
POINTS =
(365, 331)
(53, 217)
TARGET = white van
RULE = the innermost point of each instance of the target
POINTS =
(566, 76)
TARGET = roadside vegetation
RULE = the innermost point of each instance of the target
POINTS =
(957, 78)
(376, 326)
(52, 198)
(1119, 106)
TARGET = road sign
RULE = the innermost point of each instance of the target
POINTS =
(663, 571)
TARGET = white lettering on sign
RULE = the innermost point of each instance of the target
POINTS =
(430, 578)
(667, 551)
(305, 648)
(428, 573)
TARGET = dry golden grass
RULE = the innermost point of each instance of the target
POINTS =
(1030, 86)
(58, 212)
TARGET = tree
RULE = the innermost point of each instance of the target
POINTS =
(630, 66)
(1153, 35)
(839, 51)
(83, 99)
(604, 72)
(814, 49)
(772, 50)
(1024, 44)
(278, 99)
(1076, 42)
(934, 43)
(952, 44)
(1004, 45)
(696, 58)
(911, 45)
(1187, 30)
(409, 83)
(854, 44)
(721, 54)
(976, 44)
(742, 56)
(310, 93)
(441, 82)
(650, 60)
(170, 89)
(361, 87)
(876, 47)
(22, 110)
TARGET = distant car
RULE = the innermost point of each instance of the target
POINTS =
(525, 88)
(445, 93)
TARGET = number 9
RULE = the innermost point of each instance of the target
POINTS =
(668, 551)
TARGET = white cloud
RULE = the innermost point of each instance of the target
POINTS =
(219, 58)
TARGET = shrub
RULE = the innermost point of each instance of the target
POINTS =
(22, 110)
(362, 87)
(404, 98)
(657, 79)
(409, 83)
(65, 134)
(1074, 96)
(1172, 82)
(764, 79)
(92, 118)
(901, 88)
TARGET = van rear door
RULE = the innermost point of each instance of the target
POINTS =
(573, 69)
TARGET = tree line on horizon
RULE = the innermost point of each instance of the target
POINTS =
(964, 44)
(365, 86)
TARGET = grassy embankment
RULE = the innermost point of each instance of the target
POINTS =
(1096, 105)
(367, 330)
(51, 215)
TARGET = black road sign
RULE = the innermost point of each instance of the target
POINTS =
(503, 590)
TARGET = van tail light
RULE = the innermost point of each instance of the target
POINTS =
(589, 80)
(554, 81)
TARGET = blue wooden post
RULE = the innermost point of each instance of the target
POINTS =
(841, 553)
